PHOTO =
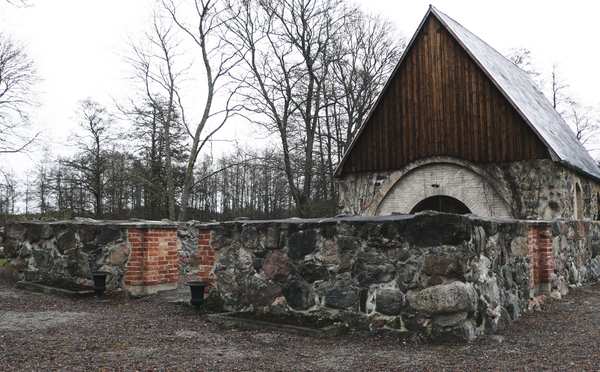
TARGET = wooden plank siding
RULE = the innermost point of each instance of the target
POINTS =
(440, 103)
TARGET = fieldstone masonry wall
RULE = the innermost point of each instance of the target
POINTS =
(142, 257)
(434, 275)
(196, 257)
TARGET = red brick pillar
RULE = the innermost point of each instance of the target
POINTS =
(541, 258)
(153, 263)
(206, 256)
(134, 270)
(546, 258)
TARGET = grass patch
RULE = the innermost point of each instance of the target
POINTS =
(3, 262)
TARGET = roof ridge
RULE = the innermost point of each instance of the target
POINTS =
(437, 12)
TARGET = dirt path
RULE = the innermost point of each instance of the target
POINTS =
(66, 334)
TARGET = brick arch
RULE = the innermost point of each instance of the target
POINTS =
(440, 177)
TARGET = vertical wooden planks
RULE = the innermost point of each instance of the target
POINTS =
(441, 103)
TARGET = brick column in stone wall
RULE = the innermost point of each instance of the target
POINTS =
(205, 255)
(153, 262)
(134, 269)
(546, 258)
(541, 258)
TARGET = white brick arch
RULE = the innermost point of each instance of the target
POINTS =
(440, 177)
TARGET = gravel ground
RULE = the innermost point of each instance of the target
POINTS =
(42, 332)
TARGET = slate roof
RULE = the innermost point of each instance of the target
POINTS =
(522, 94)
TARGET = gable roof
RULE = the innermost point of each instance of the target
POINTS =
(516, 86)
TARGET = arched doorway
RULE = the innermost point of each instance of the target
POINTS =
(441, 203)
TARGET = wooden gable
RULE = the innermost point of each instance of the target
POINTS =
(439, 102)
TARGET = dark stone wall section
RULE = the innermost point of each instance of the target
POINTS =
(434, 275)
(66, 253)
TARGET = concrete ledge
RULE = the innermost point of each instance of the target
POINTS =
(145, 290)
(394, 217)
(42, 288)
(139, 224)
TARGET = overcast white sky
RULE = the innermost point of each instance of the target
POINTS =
(78, 46)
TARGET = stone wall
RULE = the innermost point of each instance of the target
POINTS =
(575, 254)
(543, 189)
(435, 275)
(142, 257)
(537, 189)
(197, 257)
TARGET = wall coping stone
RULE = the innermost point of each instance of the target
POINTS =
(134, 224)
(164, 224)
(377, 219)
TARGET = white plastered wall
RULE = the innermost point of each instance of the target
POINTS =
(448, 179)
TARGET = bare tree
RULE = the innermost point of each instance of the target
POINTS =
(284, 46)
(557, 90)
(17, 77)
(42, 183)
(310, 72)
(363, 56)
(205, 32)
(583, 121)
(368, 53)
(523, 59)
(91, 162)
(156, 67)
(8, 195)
